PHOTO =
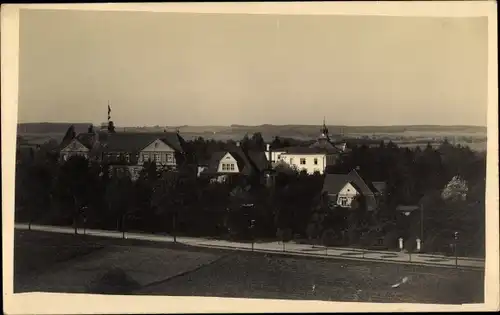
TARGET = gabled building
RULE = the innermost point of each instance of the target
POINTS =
(342, 189)
(83, 144)
(313, 158)
(131, 150)
(127, 150)
(235, 161)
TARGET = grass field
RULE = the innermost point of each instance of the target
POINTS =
(67, 263)
(50, 262)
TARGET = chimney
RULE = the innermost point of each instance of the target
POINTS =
(237, 143)
(268, 147)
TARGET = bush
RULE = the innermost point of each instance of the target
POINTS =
(329, 238)
(284, 235)
(410, 244)
(391, 239)
(312, 231)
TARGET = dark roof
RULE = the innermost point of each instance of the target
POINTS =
(304, 150)
(213, 164)
(321, 146)
(136, 141)
(258, 158)
(326, 145)
(380, 186)
(333, 183)
(87, 139)
(252, 160)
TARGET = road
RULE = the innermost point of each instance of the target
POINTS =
(290, 248)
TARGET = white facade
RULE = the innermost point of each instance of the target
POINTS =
(310, 162)
(274, 156)
(228, 164)
(347, 195)
(74, 148)
(158, 151)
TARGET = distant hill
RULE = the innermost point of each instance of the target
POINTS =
(44, 127)
(474, 136)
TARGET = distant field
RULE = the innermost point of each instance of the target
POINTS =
(472, 136)
(209, 272)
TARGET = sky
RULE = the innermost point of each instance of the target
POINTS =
(220, 69)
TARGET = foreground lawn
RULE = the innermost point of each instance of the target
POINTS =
(52, 262)
(257, 276)
(167, 269)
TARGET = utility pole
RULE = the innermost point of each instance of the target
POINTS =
(123, 226)
(173, 227)
(422, 222)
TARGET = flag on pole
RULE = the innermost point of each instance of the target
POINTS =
(109, 112)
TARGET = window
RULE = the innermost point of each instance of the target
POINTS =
(170, 157)
(343, 201)
(231, 167)
(223, 166)
(157, 158)
(127, 158)
(302, 161)
(315, 161)
(145, 157)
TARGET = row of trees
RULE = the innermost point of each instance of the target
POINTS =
(447, 184)
(77, 192)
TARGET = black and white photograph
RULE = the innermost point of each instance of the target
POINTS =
(289, 156)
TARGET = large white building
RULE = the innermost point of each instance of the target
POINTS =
(314, 158)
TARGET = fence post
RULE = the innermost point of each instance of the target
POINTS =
(123, 227)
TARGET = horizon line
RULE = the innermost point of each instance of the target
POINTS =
(260, 125)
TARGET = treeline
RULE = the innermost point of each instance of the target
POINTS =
(447, 182)
(79, 193)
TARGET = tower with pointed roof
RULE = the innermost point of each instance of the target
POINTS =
(324, 131)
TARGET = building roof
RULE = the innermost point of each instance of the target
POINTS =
(136, 141)
(247, 161)
(333, 183)
(326, 145)
(321, 146)
(304, 150)
(259, 159)
(380, 186)
(87, 139)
